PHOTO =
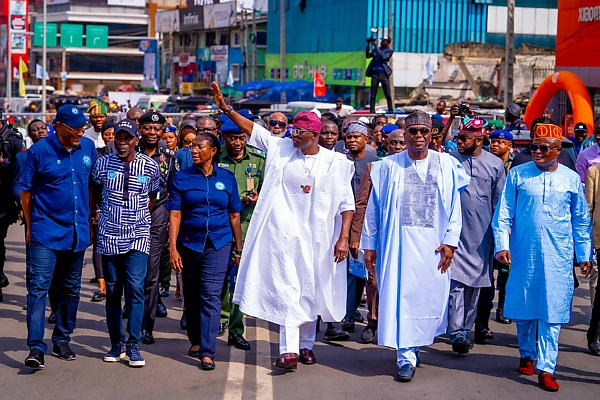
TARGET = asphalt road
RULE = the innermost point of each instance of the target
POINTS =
(350, 370)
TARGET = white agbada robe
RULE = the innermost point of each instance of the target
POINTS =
(287, 273)
(411, 212)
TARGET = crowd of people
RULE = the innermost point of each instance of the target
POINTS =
(291, 222)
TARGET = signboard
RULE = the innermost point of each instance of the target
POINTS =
(38, 35)
(220, 15)
(96, 36)
(148, 46)
(578, 33)
(218, 53)
(184, 59)
(193, 3)
(18, 25)
(166, 21)
(127, 3)
(344, 68)
(191, 19)
(71, 35)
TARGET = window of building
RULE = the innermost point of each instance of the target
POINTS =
(261, 38)
(235, 72)
(224, 39)
(211, 39)
(236, 39)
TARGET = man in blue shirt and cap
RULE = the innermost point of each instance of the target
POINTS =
(55, 195)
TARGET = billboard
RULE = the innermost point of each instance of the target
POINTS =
(219, 15)
(578, 33)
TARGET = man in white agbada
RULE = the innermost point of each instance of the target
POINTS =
(412, 227)
(291, 270)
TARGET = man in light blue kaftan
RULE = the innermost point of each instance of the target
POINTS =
(412, 227)
(541, 216)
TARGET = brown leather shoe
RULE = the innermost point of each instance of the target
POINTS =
(526, 366)
(307, 357)
(287, 361)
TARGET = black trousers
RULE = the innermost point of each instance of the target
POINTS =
(158, 238)
(4, 224)
(594, 330)
(380, 77)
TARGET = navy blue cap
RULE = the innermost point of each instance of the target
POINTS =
(71, 116)
(152, 117)
(437, 126)
(230, 127)
(389, 128)
(129, 126)
(580, 126)
(170, 128)
(246, 113)
(501, 134)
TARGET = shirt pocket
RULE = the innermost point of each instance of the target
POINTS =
(482, 186)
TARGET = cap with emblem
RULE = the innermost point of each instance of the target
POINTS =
(170, 129)
(129, 126)
(580, 127)
(437, 126)
(96, 108)
(71, 116)
(152, 117)
(246, 113)
(547, 131)
(473, 124)
(495, 124)
(501, 134)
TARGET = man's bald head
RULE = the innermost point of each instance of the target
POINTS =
(396, 142)
(134, 113)
(278, 123)
(206, 124)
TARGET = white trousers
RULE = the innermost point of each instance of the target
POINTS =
(407, 356)
(291, 340)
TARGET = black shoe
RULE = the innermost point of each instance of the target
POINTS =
(147, 337)
(239, 342)
(63, 351)
(35, 359)
(207, 365)
(3, 281)
(222, 327)
(164, 291)
(501, 318)
(483, 334)
(595, 347)
(161, 310)
(460, 346)
(333, 333)
(94, 280)
(124, 313)
(1, 296)
(349, 326)
(52, 318)
(406, 373)
(183, 322)
(368, 334)
(470, 343)
(98, 296)
(194, 353)
(358, 317)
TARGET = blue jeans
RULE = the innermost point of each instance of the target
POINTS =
(203, 276)
(43, 264)
(125, 271)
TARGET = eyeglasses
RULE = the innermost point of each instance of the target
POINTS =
(329, 133)
(422, 131)
(280, 124)
(462, 138)
(297, 131)
(544, 148)
(206, 130)
(81, 128)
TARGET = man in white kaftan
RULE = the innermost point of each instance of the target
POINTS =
(413, 223)
(291, 269)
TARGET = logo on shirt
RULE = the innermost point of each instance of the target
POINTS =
(220, 186)
(112, 174)
(142, 179)
(86, 161)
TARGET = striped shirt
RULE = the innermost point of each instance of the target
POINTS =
(124, 223)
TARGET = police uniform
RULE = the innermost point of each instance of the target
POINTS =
(249, 174)
(165, 159)
(12, 144)
(518, 125)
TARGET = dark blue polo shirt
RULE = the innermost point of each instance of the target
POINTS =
(59, 182)
(205, 204)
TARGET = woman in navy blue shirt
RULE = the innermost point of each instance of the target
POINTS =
(204, 207)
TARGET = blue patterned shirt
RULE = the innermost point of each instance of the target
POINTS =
(124, 223)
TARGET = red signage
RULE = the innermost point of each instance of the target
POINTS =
(578, 33)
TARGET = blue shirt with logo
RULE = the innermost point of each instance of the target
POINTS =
(59, 181)
(205, 204)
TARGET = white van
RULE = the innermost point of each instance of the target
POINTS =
(151, 102)
(34, 92)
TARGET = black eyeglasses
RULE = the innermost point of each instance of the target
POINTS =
(462, 138)
(422, 131)
(280, 124)
(544, 148)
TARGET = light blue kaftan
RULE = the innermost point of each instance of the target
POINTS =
(546, 215)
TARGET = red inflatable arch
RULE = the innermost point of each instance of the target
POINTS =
(576, 90)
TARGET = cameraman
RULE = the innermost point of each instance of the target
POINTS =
(12, 143)
(379, 70)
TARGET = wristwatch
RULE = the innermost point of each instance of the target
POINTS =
(230, 109)
(237, 252)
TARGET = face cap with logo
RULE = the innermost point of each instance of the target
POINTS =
(71, 116)
(129, 126)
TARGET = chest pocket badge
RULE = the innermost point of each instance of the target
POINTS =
(87, 161)
(220, 186)
(142, 179)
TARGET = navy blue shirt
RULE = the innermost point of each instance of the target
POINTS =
(59, 182)
(205, 204)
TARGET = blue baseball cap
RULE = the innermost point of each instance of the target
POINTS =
(129, 126)
(71, 116)
(501, 134)
(246, 113)
(230, 127)
(389, 128)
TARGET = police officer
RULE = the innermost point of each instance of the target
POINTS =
(513, 118)
(151, 128)
(248, 165)
(12, 144)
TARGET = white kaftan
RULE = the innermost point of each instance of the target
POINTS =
(287, 273)
(407, 219)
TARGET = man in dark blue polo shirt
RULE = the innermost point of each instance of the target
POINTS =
(55, 195)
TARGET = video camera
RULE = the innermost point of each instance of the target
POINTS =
(464, 109)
